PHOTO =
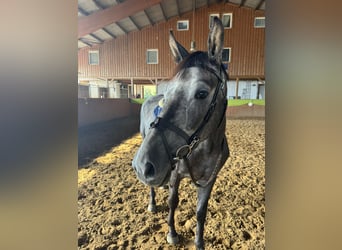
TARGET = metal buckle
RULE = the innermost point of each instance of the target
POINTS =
(185, 150)
(194, 142)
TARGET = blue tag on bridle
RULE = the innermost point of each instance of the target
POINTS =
(159, 108)
(157, 111)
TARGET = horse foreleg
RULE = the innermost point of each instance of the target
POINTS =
(152, 203)
(203, 195)
(172, 236)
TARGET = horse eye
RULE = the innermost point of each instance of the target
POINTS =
(201, 94)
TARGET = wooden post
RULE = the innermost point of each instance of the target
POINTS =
(237, 88)
(135, 90)
(132, 88)
(258, 92)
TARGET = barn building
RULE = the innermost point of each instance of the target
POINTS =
(123, 45)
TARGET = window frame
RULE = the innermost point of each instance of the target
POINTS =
(213, 15)
(96, 52)
(259, 27)
(230, 21)
(229, 55)
(183, 21)
(150, 50)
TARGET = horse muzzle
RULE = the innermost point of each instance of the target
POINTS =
(150, 173)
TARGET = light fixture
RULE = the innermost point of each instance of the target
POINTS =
(193, 46)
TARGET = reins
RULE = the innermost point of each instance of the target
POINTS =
(192, 141)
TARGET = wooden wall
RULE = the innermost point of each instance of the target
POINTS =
(125, 56)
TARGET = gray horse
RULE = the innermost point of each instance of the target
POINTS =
(184, 130)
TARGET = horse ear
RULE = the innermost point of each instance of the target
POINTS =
(178, 51)
(215, 40)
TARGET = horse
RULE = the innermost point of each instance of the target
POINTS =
(183, 129)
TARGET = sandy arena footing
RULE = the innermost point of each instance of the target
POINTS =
(112, 203)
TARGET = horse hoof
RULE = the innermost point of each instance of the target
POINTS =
(152, 208)
(172, 239)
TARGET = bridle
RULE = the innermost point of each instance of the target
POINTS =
(194, 139)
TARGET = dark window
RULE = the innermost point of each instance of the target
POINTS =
(103, 92)
(211, 18)
(227, 20)
(226, 55)
(183, 25)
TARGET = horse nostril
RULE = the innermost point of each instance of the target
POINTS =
(149, 170)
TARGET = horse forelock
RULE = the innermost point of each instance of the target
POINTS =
(201, 60)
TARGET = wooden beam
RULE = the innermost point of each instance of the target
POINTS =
(102, 18)
(148, 18)
(108, 32)
(163, 12)
(259, 4)
(121, 28)
(134, 23)
(177, 6)
(96, 38)
(83, 12)
(127, 79)
(242, 3)
(98, 5)
(86, 43)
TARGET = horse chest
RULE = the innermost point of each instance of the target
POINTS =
(198, 168)
(182, 169)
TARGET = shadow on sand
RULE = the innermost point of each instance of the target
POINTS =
(94, 140)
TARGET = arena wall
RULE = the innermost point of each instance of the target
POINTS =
(95, 110)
